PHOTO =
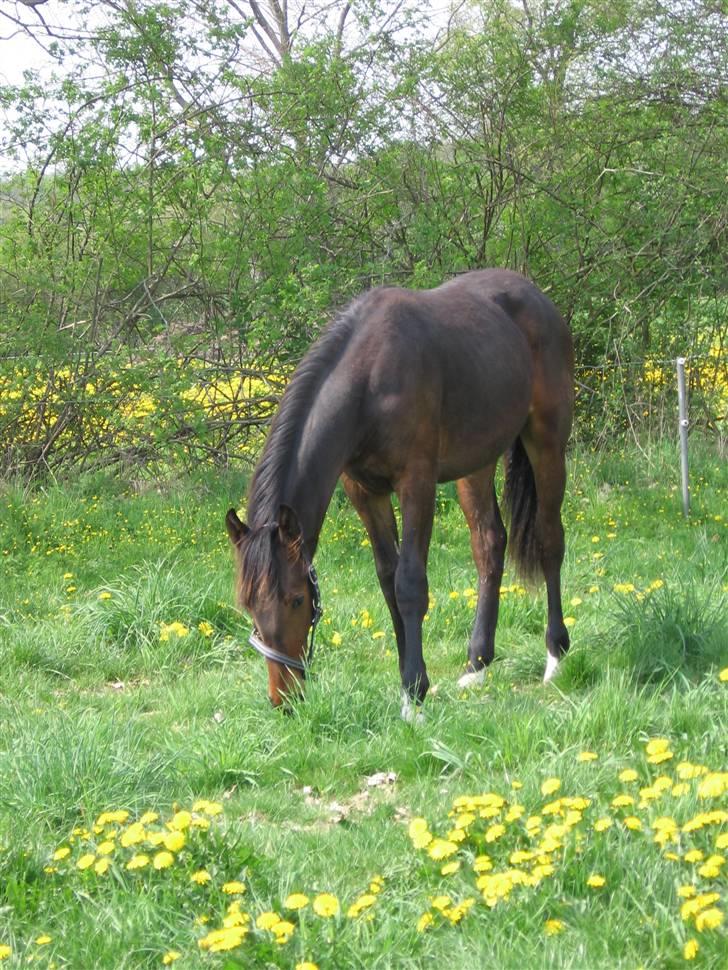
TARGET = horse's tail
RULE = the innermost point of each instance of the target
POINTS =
(521, 502)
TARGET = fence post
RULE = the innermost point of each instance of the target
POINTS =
(683, 423)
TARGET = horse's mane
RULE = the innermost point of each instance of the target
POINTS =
(258, 561)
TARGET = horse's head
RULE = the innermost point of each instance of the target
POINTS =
(277, 586)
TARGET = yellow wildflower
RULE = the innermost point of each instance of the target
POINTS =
(233, 888)
(326, 905)
(690, 949)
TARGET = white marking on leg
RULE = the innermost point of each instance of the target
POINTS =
(552, 665)
(411, 713)
(475, 678)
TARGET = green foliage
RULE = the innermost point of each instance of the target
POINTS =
(198, 185)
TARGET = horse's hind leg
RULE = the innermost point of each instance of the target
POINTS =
(375, 511)
(547, 456)
(488, 542)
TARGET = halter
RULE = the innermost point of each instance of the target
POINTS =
(282, 658)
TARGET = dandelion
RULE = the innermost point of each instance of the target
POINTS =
(5, 951)
(102, 866)
(709, 919)
(170, 956)
(723, 675)
(105, 595)
(267, 920)
(234, 888)
(442, 849)
(690, 950)
(205, 628)
(61, 853)
(43, 940)
(201, 877)
(336, 639)
(86, 861)
(326, 905)
(595, 881)
(553, 926)
(629, 774)
(550, 785)
(449, 868)
(296, 901)
(173, 841)
(138, 861)
(163, 860)
(587, 756)
(424, 922)
(307, 965)
(360, 905)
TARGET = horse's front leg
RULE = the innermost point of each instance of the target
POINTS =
(416, 494)
(375, 511)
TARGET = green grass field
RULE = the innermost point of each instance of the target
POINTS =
(340, 836)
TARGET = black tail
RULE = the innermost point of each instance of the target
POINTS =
(520, 502)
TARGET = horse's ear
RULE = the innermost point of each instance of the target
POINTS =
(289, 528)
(237, 530)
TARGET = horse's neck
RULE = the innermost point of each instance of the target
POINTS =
(315, 457)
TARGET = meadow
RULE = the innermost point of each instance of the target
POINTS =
(155, 811)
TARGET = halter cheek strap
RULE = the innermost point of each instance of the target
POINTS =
(276, 656)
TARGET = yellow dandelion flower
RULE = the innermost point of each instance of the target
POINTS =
(713, 785)
(550, 785)
(424, 922)
(360, 905)
(326, 905)
(723, 675)
(602, 824)
(163, 860)
(296, 901)
(690, 950)
(138, 861)
(86, 861)
(133, 835)
(442, 849)
(709, 919)
(102, 866)
(173, 841)
(170, 956)
(283, 931)
(627, 775)
(595, 881)
(5, 951)
(201, 877)
(553, 926)
(233, 888)
(61, 853)
(587, 756)
(267, 920)
(43, 939)
(307, 965)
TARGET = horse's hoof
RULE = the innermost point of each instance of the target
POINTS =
(475, 678)
(411, 713)
(552, 665)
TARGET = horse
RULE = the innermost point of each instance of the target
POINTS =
(403, 390)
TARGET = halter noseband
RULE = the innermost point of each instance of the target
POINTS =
(282, 658)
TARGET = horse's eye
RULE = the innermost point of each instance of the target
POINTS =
(296, 602)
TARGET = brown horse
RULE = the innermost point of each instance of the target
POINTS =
(406, 389)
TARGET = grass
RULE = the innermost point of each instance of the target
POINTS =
(101, 710)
